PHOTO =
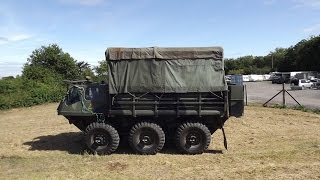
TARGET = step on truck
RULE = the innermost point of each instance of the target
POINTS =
(154, 96)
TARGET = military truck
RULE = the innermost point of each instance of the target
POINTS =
(154, 96)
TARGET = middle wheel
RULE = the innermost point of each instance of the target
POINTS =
(146, 138)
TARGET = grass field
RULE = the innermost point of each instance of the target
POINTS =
(266, 143)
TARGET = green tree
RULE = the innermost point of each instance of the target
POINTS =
(50, 61)
(84, 70)
(41, 80)
(288, 63)
(102, 71)
(42, 76)
(303, 56)
(308, 54)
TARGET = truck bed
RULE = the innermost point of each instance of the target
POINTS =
(173, 104)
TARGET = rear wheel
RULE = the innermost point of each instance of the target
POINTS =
(146, 138)
(193, 138)
(102, 138)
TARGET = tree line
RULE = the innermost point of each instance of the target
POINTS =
(46, 68)
(42, 78)
(303, 56)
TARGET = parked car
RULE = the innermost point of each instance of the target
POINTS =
(277, 80)
(304, 83)
(315, 83)
(299, 84)
(280, 78)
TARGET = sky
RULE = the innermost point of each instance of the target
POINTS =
(85, 28)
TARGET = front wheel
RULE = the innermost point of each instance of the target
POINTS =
(102, 138)
(146, 138)
(193, 138)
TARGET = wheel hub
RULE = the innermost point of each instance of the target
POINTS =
(146, 140)
(100, 139)
(193, 139)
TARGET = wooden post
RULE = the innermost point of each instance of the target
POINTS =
(283, 91)
(246, 94)
(283, 95)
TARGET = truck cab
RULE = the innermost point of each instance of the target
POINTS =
(84, 100)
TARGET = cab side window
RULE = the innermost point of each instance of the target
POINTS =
(73, 95)
(92, 92)
(96, 93)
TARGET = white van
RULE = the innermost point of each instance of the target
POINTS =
(304, 83)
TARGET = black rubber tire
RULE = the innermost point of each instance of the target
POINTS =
(146, 138)
(193, 138)
(101, 138)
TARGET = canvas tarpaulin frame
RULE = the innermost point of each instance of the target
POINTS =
(165, 70)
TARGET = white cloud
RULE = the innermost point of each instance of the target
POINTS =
(3, 40)
(315, 4)
(269, 2)
(307, 3)
(315, 29)
(14, 38)
(20, 37)
(83, 2)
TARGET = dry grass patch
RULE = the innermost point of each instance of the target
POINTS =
(266, 143)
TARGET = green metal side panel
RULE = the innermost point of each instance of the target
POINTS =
(236, 100)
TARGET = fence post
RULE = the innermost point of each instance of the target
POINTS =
(246, 93)
(283, 96)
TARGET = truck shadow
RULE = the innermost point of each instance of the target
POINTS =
(73, 143)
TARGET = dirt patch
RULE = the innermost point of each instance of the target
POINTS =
(117, 166)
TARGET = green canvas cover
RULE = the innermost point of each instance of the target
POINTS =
(165, 70)
(164, 53)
